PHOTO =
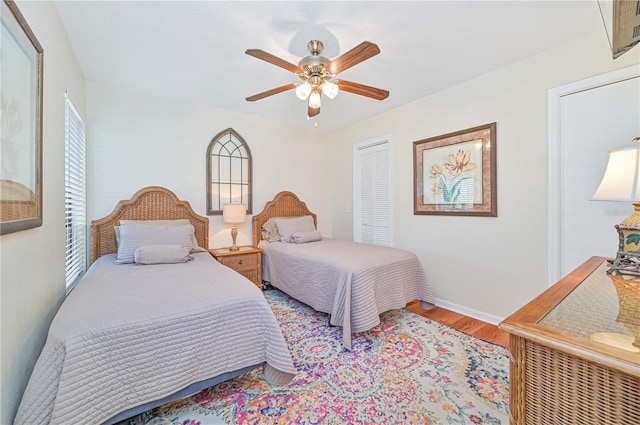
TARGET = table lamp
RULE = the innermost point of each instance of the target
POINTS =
(234, 214)
(621, 182)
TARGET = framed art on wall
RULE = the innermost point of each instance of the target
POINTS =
(21, 111)
(455, 173)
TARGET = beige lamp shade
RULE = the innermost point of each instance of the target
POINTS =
(621, 178)
(234, 213)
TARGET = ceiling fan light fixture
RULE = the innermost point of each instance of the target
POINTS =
(318, 75)
(314, 99)
(303, 90)
(330, 89)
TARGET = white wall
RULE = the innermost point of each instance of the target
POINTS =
(136, 140)
(486, 267)
(32, 265)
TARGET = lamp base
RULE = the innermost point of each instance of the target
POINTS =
(627, 259)
(234, 234)
(617, 340)
(634, 219)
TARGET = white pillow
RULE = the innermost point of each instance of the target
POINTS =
(133, 236)
(177, 222)
(287, 227)
(307, 236)
(161, 254)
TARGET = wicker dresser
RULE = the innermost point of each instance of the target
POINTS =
(571, 351)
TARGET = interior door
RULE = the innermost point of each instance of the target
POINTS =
(373, 193)
(595, 119)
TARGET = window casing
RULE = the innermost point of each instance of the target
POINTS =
(228, 172)
(75, 194)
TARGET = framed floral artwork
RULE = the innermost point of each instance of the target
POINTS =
(455, 173)
(21, 112)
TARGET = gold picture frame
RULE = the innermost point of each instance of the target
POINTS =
(455, 173)
(21, 136)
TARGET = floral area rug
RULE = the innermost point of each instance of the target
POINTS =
(407, 370)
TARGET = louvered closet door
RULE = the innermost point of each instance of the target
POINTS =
(373, 194)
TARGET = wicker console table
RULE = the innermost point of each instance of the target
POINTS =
(565, 370)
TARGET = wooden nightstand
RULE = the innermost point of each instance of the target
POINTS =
(247, 261)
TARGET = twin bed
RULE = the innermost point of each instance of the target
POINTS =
(131, 337)
(353, 282)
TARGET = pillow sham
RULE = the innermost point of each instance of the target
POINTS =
(307, 236)
(287, 227)
(133, 236)
(176, 222)
(161, 254)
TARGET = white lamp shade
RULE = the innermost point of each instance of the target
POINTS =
(303, 90)
(621, 178)
(234, 213)
(330, 89)
(314, 99)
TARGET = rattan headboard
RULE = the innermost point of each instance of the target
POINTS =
(149, 203)
(284, 204)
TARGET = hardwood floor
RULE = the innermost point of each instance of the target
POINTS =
(466, 324)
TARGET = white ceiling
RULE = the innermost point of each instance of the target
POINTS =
(194, 50)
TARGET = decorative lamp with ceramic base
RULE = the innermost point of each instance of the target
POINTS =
(234, 214)
(621, 182)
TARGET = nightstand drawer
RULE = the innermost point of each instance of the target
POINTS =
(241, 261)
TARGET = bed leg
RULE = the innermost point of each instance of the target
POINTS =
(329, 321)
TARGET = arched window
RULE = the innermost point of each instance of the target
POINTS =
(228, 172)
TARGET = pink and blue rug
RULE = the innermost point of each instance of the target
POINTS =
(407, 370)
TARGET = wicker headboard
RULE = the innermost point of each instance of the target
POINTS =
(149, 203)
(284, 204)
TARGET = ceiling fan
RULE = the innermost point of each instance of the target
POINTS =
(319, 75)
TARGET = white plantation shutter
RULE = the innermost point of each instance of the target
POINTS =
(373, 195)
(382, 203)
(75, 193)
(367, 206)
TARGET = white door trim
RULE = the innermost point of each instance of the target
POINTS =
(356, 182)
(554, 152)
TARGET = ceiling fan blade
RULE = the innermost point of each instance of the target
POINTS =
(312, 112)
(271, 92)
(361, 52)
(268, 57)
(362, 90)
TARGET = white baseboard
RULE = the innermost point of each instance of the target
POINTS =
(485, 317)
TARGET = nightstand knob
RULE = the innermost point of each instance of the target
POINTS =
(240, 261)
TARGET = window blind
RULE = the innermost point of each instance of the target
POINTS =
(75, 193)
